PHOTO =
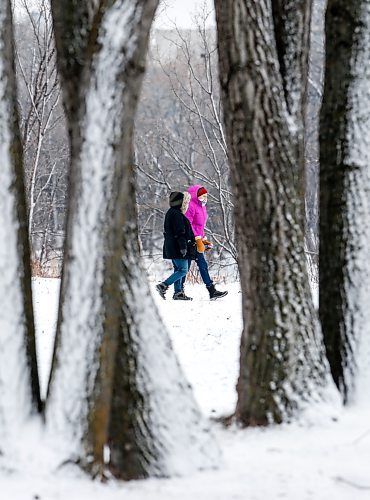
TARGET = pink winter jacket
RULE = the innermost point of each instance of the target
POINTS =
(196, 213)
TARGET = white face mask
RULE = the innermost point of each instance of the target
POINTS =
(203, 199)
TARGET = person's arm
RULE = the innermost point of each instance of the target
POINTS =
(179, 232)
(207, 244)
(190, 214)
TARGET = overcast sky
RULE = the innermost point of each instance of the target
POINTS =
(181, 12)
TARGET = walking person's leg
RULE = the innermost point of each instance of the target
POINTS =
(179, 286)
(183, 268)
(184, 278)
(203, 269)
(180, 267)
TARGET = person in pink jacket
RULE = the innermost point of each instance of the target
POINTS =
(197, 215)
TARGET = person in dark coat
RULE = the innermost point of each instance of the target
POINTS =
(179, 245)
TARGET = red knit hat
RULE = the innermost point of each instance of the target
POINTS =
(201, 191)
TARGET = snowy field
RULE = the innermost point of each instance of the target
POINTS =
(325, 457)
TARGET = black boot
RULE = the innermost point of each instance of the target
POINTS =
(162, 289)
(215, 294)
(181, 296)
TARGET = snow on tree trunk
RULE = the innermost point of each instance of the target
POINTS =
(101, 54)
(156, 427)
(282, 357)
(18, 367)
(344, 199)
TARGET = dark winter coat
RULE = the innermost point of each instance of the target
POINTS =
(178, 235)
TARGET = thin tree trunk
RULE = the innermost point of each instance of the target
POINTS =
(344, 195)
(33, 180)
(282, 358)
(18, 366)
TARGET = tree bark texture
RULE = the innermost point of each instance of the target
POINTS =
(18, 366)
(95, 354)
(101, 50)
(291, 20)
(345, 195)
(282, 358)
(156, 427)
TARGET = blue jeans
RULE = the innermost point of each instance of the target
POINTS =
(203, 269)
(177, 278)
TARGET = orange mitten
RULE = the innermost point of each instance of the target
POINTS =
(200, 245)
(206, 242)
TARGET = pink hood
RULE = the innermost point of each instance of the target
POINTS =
(196, 213)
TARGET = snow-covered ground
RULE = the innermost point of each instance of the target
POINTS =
(325, 458)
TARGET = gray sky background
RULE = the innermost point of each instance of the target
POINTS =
(181, 12)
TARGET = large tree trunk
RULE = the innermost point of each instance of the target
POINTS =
(18, 367)
(282, 358)
(156, 427)
(344, 198)
(101, 50)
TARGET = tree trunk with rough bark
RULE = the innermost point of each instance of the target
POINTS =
(263, 66)
(101, 50)
(19, 383)
(344, 195)
(156, 428)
